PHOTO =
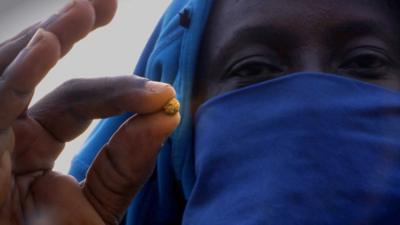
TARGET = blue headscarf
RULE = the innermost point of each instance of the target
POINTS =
(169, 56)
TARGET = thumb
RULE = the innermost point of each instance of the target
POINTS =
(125, 163)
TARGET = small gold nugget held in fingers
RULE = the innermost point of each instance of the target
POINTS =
(172, 107)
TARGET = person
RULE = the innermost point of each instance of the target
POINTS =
(32, 138)
(288, 114)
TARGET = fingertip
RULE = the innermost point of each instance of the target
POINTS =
(72, 23)
(150, 98)
(160, 88)
(45, 45)
(53, 43)
(105, 11)
(170, 90)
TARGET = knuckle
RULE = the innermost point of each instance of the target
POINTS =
(71, 82)
(54, 44)
(129, 176)
(71, 92)
(107, 214)
(73, 85)
(148, 133)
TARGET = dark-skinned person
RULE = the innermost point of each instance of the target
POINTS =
(290, 114)
(31, 138)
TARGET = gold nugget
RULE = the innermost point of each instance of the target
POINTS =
(172, 107)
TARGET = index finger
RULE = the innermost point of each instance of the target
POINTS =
(67, 111)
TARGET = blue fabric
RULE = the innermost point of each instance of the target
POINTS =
(170, 56)
(302, 149)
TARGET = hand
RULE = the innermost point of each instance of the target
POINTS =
(32, 138)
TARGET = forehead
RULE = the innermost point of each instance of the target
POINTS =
(228, 15)
(236, 9)
(232, 23)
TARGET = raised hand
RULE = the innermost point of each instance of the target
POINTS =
(32, 138)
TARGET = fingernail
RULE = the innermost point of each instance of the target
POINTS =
(67, 7)
(154, 86)
(37, 37)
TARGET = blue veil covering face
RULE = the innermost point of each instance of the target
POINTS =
(307, 148)
(170, 56)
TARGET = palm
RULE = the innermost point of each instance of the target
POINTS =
(47, 196)
(29, 187)
(32, 138)
(38, 187)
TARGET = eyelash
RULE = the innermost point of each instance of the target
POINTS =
(365, 62)
(254, 66)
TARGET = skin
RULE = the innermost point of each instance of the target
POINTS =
(32, 138)
(256, 40)
(304, 39)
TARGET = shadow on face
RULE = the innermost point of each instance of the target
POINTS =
(249, 41)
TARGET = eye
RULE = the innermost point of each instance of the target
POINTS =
(366, 63)
(253, 70)
(256, 69)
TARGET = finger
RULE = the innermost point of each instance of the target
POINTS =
(24, 73)
(21, 34)
(6, 147)
(67, 111)
(70, 24)
(105, 11)
(35, 149)
(125, 163)
(10, 48)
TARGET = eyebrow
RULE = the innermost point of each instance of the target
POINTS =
(262, 34)
(257, 34)
(354, 29)
(278, 37)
